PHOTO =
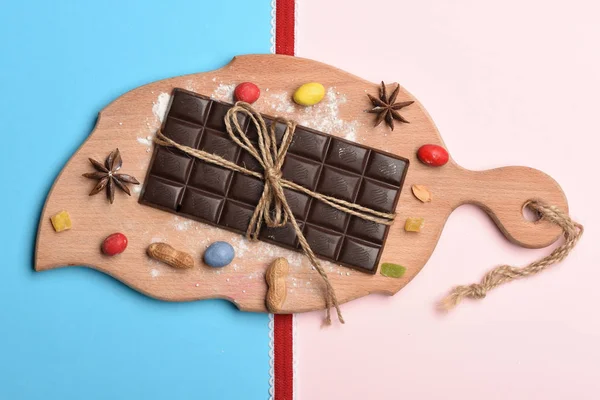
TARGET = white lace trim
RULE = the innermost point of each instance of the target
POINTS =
(271, 357)
(273, 22)
(295, 31)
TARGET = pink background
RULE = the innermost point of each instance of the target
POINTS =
(515, 82)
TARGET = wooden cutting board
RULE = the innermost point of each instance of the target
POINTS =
(130, 122)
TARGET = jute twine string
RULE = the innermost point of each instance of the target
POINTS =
(572, 232)
(273, 208)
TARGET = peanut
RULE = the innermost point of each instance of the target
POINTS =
(170, 256)
(277, 290)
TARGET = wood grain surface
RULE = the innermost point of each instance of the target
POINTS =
(130, 120)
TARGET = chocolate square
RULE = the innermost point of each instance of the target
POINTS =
(338, 184)
(301, 171)
(210, 177)
(327, 216)
(386, 168)
(201, 205)
(377, 196)
(361, 254)
(298, 202)
(347, 156)
(246, 188)
(285, 235)
(182, 132)
(322, 242)
(280, 128)
(216, 117)
(162, 193)
(171, 164)
(365, 229)
(188, 107)
(308, 143)
(248, 161)
(217, 143)
(236, 216)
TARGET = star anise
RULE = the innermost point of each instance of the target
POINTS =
(107, 176)
(386, 108)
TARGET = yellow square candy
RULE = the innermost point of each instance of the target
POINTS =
(413, 224)
(61, 221)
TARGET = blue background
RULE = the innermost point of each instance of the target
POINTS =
(75, 333)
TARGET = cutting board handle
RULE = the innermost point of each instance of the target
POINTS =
(504, 193)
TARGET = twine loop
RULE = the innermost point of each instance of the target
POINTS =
(572, 232)
(272, 207)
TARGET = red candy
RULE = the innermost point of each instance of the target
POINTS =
(433, 155)
(114, 244)
(247, 91)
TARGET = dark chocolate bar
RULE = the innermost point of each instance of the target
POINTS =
(323, 163)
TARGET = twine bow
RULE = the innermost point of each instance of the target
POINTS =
(273, 208)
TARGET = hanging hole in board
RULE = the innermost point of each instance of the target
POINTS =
(530, 214)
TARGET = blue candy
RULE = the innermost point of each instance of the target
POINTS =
(219, 254)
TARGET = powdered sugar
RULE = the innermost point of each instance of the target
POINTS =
(224, 92)
(280, 103)
(324, 116)
(259, 251)
(159, 110)
(190, 85)
(159, 107)
(146, 141)
(240, 244)
(182, 224)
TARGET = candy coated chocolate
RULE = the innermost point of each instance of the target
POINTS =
(309, 94)
(433, 155)
(219, 254)
(246, 91)
(114, 244)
